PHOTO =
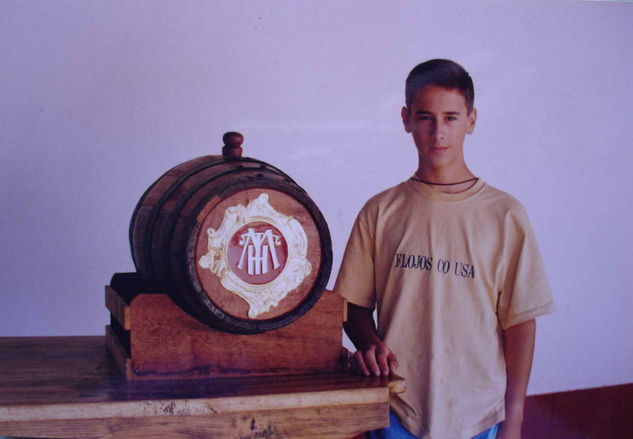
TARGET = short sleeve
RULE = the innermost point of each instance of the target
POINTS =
(525, 292)
(356, 281)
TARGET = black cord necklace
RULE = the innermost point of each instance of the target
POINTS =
(443, 184)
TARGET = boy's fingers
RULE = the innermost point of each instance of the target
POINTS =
(370, 361)
(393, 364)
(358, 364)
(377, 360)
(382, 362)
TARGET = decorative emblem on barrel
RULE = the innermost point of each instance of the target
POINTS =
(258, 253)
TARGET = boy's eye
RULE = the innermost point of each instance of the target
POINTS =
(425, 118)
(451, 118)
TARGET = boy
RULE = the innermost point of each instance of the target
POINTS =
(452, 266)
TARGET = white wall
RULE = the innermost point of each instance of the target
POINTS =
(98, 99)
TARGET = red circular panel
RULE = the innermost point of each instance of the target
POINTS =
(257, 253)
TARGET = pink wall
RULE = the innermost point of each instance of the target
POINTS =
(98, 99)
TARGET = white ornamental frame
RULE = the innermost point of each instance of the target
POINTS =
(260, 298)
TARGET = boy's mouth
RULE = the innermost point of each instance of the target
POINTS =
(439, 148)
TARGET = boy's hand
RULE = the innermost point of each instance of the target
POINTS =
(376, 360)
(373, 357)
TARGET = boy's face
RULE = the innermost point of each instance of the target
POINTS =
(438, 120)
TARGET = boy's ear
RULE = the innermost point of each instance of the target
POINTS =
(404, 113)
(472, 120)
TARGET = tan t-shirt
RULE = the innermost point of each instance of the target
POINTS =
(446, 272)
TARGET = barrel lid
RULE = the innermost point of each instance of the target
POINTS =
(257, 253)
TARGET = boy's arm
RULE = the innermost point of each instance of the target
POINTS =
(373, 355)
(519, 351)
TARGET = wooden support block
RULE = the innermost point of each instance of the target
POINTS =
(119, 309)
(119, 353)
(152, 338)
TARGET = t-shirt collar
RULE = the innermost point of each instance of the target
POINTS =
(432, 193)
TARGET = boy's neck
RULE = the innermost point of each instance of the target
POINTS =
(447, 180)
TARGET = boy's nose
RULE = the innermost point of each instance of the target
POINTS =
(440, 132)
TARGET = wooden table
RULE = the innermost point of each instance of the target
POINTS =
(67, 387)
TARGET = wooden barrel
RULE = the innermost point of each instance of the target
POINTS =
(234, 241)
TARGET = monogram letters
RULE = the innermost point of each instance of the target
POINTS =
(258, 248)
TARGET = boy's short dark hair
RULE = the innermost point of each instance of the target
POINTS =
(442, 73)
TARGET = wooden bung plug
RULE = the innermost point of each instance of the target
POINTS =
(232, 144)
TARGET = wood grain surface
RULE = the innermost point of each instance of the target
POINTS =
(68, 387)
